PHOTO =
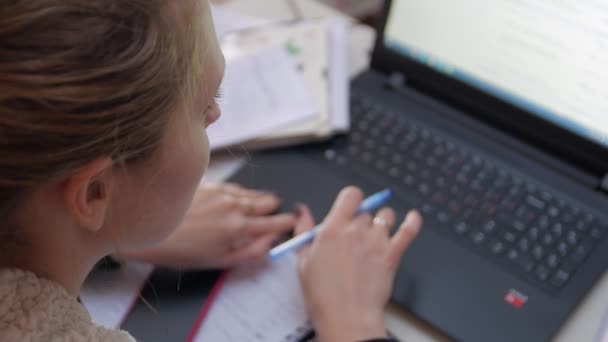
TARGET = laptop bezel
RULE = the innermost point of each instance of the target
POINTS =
(566, 145)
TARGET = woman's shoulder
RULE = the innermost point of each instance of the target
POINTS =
(33, 309)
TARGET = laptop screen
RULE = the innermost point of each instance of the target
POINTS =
(549, 58)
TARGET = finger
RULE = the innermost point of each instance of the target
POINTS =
(404, 236)
(262, 205)
(211, 186)
(384, 220)
(305, 221)
(344, 208)
(357, 231)
(361, 223)
(275, 224)
(240, 191)
(256, 250)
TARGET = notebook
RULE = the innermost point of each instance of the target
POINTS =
(261, 302)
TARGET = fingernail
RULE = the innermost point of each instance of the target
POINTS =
(409, 219)
(297, 209)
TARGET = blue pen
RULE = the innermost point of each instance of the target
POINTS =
(371, 203)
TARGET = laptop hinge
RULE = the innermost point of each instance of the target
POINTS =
(396, 80)
(604, 183)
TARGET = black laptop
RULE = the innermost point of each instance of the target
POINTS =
(491, 118)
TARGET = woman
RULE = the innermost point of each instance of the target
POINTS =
(102, 104)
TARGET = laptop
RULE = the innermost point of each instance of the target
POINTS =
(491, 118)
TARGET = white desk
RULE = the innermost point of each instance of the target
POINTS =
(581, 326)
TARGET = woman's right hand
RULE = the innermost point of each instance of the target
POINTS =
(347, 273)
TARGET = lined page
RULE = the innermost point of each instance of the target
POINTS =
(258, 303)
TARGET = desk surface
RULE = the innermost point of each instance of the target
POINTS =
(168, 297)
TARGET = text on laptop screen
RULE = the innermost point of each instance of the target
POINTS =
(547, 57)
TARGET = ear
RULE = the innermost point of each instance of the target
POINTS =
(87, 193)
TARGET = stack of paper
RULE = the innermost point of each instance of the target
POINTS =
(317, 69)
(262, 91)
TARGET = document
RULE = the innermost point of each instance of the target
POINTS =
(262, 92)
(109, 294)
(258, 303)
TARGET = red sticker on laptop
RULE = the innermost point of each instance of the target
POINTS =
(516, 299)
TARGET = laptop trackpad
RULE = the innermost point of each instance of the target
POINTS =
(448, 285)
(296, 179)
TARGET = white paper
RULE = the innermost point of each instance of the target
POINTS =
(602, 333)
(226, 21)
(223, 167)
(319, 49)
(258, 303)
(261, 92)
(108, 294)
(338, 75)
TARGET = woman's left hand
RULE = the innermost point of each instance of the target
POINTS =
(225, 225)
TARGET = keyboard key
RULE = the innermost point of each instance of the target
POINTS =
(441, 182)
(580, 252)
(366, 157)
(519, 226)
(397, 158)
(534, 233)
(411, 166)
(572, 237)
(553, 212)
(544, 222)
(560, 278)
(380, 165)
(524, 245)
(424, 190)
(439, 199)
(557, 230)
(384, 151)
(596, 232)
(455, 208)
(552, 260)
(497, 247)
(489, 227)
(394, 172)
(535, 202)
(509, 237)
(547, 239)
(428, 209)
(567, 218)
(409, 180)
(581, 226)
(478, 237)
(562, 248)
(538, 252)
(442, 216)
(525, 262)
(513, 254)
(542, 272)
(461, 228)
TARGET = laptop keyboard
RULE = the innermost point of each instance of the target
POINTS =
(524, 228)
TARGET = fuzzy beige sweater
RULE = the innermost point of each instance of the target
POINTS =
(36, 309)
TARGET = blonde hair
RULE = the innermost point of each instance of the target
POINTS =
(81, 79)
